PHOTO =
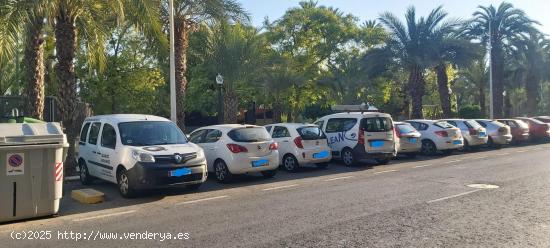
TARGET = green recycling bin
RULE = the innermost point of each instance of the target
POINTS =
(31, 180)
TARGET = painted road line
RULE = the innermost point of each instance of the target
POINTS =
(536, 149)
(105, 215)
(337, 178)
(281, 187)
(482, 157)
(424, 165)
(453, 196)
(453, 161)
(386, 171)
(502, 154)
(201, 200)
(522, 151)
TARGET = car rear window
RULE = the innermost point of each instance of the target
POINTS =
(472, 124)
(405, 128)
(444, 125)
(377, 124)
(249, 134)
(522, 124)
(311, 133)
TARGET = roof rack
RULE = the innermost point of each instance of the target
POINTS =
(355, 108)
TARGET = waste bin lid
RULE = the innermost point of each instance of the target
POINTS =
(31, 133)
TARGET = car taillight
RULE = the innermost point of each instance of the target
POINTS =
(361, 139)
(442, 133)
(502, 130)
(472, 131)
(274, 146)
(234, 148)
(298, 142)
(397, 132)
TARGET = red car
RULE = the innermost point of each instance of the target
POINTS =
(538, 130)
(520, 129)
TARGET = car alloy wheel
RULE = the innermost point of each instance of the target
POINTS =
(428, 148)
(347, 157)
(123, 183)
(221, 171)
(83, 173)
(290, 163)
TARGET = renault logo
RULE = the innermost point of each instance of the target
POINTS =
(178, 158)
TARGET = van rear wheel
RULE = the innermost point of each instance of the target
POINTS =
(85, 177)
(347, 157)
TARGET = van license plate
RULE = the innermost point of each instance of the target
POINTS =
(482, 134)
(457, 142)
(260, 163)
(322, 154)
(180, 172)
(412, 140)
(377, 143)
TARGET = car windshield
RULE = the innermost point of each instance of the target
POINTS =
(405, 128)
(249, 134)
(148, 133)
(443, 124)
(310, 133)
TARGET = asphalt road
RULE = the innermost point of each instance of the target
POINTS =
(426, 202)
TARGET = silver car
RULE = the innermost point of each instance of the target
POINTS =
(474, 134)
(499, 133)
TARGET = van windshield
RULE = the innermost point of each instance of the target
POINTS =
(148, 133)
(377, 124)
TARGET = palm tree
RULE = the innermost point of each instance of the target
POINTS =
(499, 26)
(410, 44)
(477, 74)
(530, 54)
(188, 14)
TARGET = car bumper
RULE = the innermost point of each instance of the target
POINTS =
(306, 157)
(360, 153)
(449, 145)
(156, 175)
(408, 147)
(243, 165)
(502, 139)
(477, 141)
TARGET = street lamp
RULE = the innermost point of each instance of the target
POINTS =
(219, 81)
(173, 109)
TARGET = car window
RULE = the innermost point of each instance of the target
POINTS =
(108, 136)
(453, 123)
(280, 132)
(319, 123)
(405, 128)
(443, 124)
(212, 136)
(483, 124)
(376, 124)
(84, 133)
(311, 133)
(268, 128)
(150, 133)
(94, 132)
(522, 124)
(472, 124)
(340, 125)
(196, 137)
(249, 134)
(415, 125)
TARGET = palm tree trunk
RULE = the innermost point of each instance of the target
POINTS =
(497, 68)
(181, 44)
(231, 107)
(34, 65)
(65, 46)
(416, 90)
(532, 89)
(481, 89)
(444, 91)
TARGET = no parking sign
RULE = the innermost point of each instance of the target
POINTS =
(15, 164)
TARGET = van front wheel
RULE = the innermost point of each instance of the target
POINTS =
(124, 185)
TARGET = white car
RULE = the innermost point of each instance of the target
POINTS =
(438, 136)
(237, 149)
(300, 144)
(138, 152)
(474, 134)
(353, 136)
(499, 133)
(408, 139)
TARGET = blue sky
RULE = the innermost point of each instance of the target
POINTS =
(371, 9)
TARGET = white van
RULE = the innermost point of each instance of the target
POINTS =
(138, 152)
(354, 136)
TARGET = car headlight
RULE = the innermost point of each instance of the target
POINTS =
(143, 157)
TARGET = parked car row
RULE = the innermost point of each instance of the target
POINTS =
(147, 152)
